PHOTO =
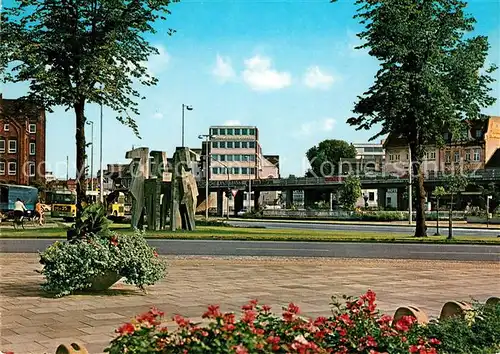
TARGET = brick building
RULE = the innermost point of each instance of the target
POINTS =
(22, 142)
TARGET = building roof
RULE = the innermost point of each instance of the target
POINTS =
(233, 126)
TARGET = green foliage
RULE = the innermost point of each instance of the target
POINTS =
(350, 192)
(92, 220)
(460, 337)
(493, 191)
(69, 267)
(439, 191)
(354, 327)
(455, 183)
(324, 158)
(220, 223)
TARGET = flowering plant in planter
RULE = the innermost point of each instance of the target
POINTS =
(97, 258)
(355, 327)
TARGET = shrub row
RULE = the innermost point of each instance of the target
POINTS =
(355, 326)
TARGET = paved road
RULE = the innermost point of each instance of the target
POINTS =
(396, 229)
(294, 249)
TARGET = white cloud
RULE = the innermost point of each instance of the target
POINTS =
(223, 69)
(157, 62)
(158, 115)
(315, 128)
(232, 122)
(315, 78)
(328, 124)
(260, 75)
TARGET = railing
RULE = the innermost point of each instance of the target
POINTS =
(372, 178)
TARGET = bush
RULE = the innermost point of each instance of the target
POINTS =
(354, 327)
(95, 251)
(220, 223)
(479, 336)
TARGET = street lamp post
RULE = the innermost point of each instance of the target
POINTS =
(437, 219)
(91, 123)
(249, 185)
(207, 176)
(410, 197)
(101, 175)
(488, 210)
(189, 108)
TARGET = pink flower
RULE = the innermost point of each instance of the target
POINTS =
(127, 328)
(435, 341)
(213, 312)
(240, 349)
(181, 321)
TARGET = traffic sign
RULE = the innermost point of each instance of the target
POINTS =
(234, 192)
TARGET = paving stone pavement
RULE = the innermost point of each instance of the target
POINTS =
(30, 322)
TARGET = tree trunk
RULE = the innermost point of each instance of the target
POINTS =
(80, 153)
(418, 182)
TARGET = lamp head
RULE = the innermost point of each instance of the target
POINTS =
(189, 108)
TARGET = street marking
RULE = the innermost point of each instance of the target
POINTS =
(456, 252)
(281, 249)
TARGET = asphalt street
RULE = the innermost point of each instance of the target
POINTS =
(396, 229)
(293, 249)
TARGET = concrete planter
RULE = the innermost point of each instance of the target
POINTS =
(104, 281)
(482, 220)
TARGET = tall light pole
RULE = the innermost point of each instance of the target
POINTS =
(189, 108)
(249, 185)
(91, 123)
(101, 175)
(207, 175)
(410, 197)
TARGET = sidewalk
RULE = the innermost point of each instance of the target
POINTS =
(32, 323)
(442, 223)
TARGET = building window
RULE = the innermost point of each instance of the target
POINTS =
(251, 144)
(2, 168)
(467, 155)
(31, 168)
(244, 144)
(215, 131)
(12, 146)
(477, 155)
(12, 168)
(32, 128)
(6, 127)
(229, 131)
(237, 157)
(479, 133)
(222, 131)
(457, 156)
(431, 156)
(371, 196)
(244, 171)
(237, 132)
(229, 158)
(32, 149)
(215, 157)
(222, 157)
(2, 145)
(252, 131)
(215, 144)
(237, 145)
(229, 144)
(215, 170)
(446, 136)
(244, 131)
(252, 170)
(236, 170)
(448, 156)
(222, 144)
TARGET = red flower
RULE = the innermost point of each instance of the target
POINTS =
(384, 319)
(127, 328)
(273, 340)
(435, 341)
(345, 319)
(249, 316)
(240, 349)
(213, 312)
(266, 308)
(292, 308)
(181, 321)
(370, 341)
(404, 324)
(155, 312)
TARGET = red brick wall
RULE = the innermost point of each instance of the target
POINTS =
(19, 131)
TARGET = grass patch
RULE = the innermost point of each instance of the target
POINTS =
(258, 234)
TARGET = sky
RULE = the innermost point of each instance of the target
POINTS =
(289, 67)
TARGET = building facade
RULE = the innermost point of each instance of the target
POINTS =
(467, 154)
(22, 142)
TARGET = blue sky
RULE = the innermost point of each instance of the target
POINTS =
(288, 67)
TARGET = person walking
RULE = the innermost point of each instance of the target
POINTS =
(39, 212)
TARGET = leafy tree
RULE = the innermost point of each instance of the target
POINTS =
(324, 158)
(350, 192)
(454, 184)
(439, 192)
(493, 191)
(430, 79)
(74, 53)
